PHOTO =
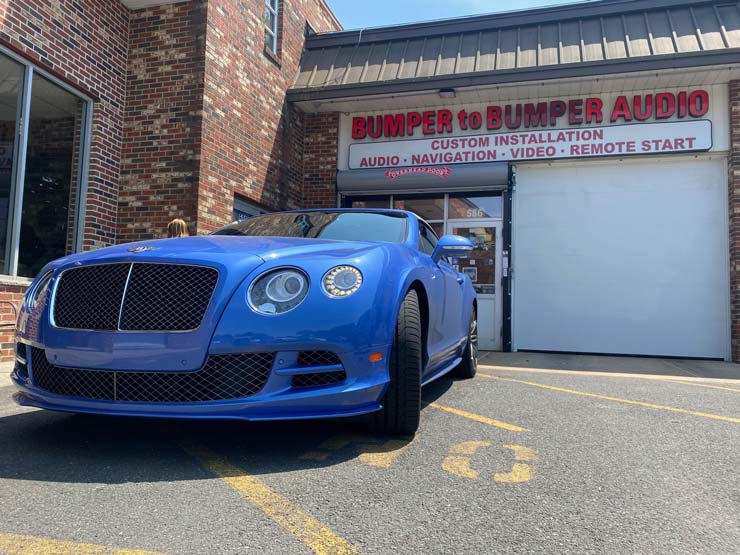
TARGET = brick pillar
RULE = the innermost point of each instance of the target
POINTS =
(734, 207)
(320, 160)
(163, 120)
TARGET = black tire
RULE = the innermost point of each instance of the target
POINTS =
(469, 364)
(402, 402)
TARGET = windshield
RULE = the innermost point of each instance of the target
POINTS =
(385, 227)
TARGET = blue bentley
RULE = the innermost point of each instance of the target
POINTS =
(305, 314)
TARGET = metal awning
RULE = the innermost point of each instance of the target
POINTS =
(571, 40)
(468, 177)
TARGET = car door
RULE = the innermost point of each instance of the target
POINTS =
(447, 317)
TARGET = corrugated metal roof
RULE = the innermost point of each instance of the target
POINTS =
(610, 31)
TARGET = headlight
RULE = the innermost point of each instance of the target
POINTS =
(278, 291)
(342, 281)
(38, 291)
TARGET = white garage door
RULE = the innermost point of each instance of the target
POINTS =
(622, 257)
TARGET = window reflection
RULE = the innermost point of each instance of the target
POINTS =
(372, 202)
(428, 208)
(50, 186)
(480, 265)
(475, 207)
(11, 74)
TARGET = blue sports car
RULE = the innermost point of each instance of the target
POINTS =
(305, 314)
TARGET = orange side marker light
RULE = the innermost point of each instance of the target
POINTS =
(376, 357)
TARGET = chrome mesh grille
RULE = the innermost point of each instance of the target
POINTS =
(307, 359)
(167, 297)
(88, 384)
(134, 297)
(222, 377)
(90, 297)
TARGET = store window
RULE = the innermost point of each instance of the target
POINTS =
(244, 210)
(271, 25)
(437, 210)
(430, 208)
(370, 202)
(43, 132)
(11, 77)
(474, 207)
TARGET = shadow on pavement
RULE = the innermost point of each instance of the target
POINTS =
(682, 368)
(58, 447)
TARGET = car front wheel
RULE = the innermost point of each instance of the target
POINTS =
(402, 402)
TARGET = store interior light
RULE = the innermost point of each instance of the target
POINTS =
(447, 93)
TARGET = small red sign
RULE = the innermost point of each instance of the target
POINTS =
(400, 172)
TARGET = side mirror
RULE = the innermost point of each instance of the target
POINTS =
(452, 246)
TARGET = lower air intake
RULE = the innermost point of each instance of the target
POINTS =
(222, 377)
(318, 379)
(308, 359)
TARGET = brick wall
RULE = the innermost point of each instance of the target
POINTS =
(11, 297)
(247, 128)
(734, 204)
(163, 119)
(320, 160)
(84, 42)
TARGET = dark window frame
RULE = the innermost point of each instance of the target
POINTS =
(273, 52)
(424, 230)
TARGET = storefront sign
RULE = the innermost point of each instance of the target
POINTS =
(529, 115)
(618, 140)
(438, 172)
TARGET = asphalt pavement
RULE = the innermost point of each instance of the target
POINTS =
(538, 454)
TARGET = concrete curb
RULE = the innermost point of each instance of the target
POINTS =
(5, 369)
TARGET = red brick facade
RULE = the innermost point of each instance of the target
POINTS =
(163, 119)
(245, 117)
(320, 160)
(734, 208)
(11, 297)
(206, 116)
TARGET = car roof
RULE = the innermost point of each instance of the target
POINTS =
(378, 210)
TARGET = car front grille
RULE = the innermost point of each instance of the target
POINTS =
(308, 359)
(134, 297)
(222, 377)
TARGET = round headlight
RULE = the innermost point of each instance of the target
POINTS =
(38, 291)
(278, 291)
(342, 281)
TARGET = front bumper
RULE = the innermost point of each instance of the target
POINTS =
(359, 393)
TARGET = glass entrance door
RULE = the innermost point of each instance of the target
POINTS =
(483, 267)
(478, 216)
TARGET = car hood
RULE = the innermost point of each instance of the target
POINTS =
(237, 254)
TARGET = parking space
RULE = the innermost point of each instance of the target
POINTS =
(534, 455)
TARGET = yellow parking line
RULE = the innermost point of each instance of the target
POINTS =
(688, 380)
(616, 399)
(733, 389)
(12, 544)
(383, 456)
(478, 418)
(320, 539)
